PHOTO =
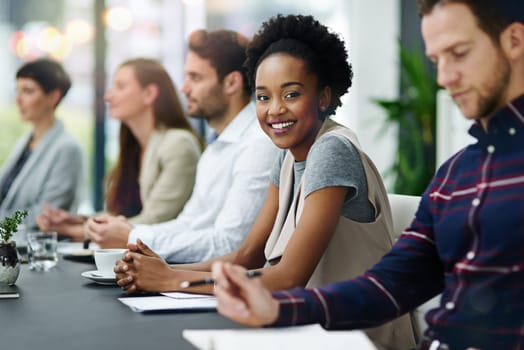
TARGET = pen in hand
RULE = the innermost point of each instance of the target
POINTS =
(209, 280)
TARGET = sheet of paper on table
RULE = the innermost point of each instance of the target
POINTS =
(180, 295)
(171, 302)
(298, 337)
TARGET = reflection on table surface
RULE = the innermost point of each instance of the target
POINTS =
(60, 309)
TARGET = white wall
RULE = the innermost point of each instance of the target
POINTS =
(374, 29)
(452, 128)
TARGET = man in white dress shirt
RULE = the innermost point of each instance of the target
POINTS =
(233, 172)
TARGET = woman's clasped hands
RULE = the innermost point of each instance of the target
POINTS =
(140, 269)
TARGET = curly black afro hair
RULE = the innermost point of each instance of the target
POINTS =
(305, 38)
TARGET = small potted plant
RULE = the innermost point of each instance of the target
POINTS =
(9, 262)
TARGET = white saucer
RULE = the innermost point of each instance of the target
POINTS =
(97, 277)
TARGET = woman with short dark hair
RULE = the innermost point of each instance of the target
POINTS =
(45, 166)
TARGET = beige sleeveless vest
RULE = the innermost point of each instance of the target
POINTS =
(354, 247)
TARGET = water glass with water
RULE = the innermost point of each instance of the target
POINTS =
(42, 250)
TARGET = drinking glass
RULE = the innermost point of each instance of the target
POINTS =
(42, 250)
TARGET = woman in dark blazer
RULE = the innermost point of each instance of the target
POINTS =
(45, 166)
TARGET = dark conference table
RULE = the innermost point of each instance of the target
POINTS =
(59, 309)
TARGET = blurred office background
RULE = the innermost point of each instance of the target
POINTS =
(91, 37)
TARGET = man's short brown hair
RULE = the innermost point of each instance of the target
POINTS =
(225, 49)
(493, 16)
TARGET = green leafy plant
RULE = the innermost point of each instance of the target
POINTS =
(9, 226)
(414, 113)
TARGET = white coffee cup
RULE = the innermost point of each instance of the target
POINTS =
(105, 260)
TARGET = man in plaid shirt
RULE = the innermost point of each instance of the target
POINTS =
(467, 238)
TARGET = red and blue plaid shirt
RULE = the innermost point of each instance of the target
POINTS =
(466, 242)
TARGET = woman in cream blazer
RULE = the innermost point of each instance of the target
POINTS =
(167, 174)
(155, 171)
(45, 166)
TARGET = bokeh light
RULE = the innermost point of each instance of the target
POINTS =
(40, 39)
(79, 31)
(62, 48)
(14, 40)
(118, 18)
(49, 39)
(23, 46)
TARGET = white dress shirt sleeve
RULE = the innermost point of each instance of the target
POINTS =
(250, 179)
